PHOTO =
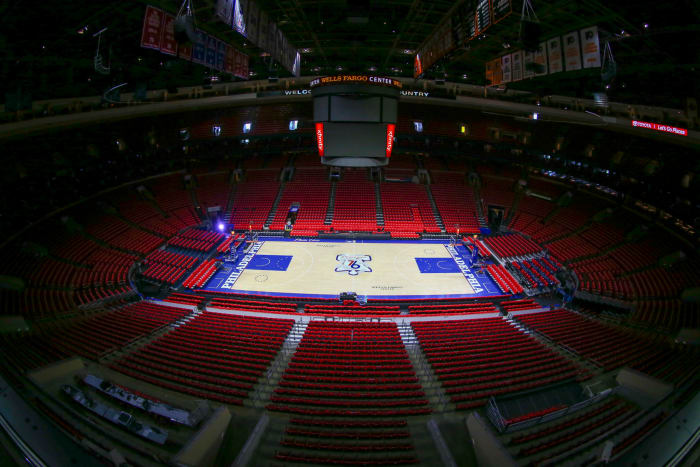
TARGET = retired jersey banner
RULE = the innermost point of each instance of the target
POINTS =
(168, 44)
(506, 69)
(541, 60)
(528, 64)
(572, 51)
(590, 47)
(152, 28)
(516, 64)
(554, 55)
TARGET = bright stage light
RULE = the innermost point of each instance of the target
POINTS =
(220, 226)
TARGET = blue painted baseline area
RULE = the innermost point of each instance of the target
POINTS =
(437, 265)
(270, 262)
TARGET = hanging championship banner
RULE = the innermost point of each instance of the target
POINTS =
(199, 48)
(501, 9)
(152, 28)
(239, 9)
(210, 58)
(417, 66)
(528, 64)
(516, 63)
(168, 44)
(506, 69)
(554, 55)
(224, 10)
(590, 47)
(296, 68)
(541, 60)
(572, 51)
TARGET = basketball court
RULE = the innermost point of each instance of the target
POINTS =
(377, 269)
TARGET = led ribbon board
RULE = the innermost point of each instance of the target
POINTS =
(660, 127)
(356, 79)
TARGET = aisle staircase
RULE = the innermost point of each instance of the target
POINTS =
(273, 209)
(146, 339)
(229, 203)
(432, 387)
(436, 211)
(483, 222)
(574, 233)
(378, 204)
(331, 205)
(260, 395)
(514, 208)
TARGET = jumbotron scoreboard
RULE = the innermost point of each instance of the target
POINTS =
(355, 119)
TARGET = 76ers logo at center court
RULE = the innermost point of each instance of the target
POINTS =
(353, 264)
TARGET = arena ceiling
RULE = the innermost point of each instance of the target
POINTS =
(654, 43)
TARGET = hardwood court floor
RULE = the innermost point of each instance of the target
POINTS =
(394, 270)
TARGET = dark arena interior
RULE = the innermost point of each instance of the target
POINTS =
(372, 232)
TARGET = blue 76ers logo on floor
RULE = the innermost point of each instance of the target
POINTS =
(353, 264)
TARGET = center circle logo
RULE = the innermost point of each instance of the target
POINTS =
(353, 264)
